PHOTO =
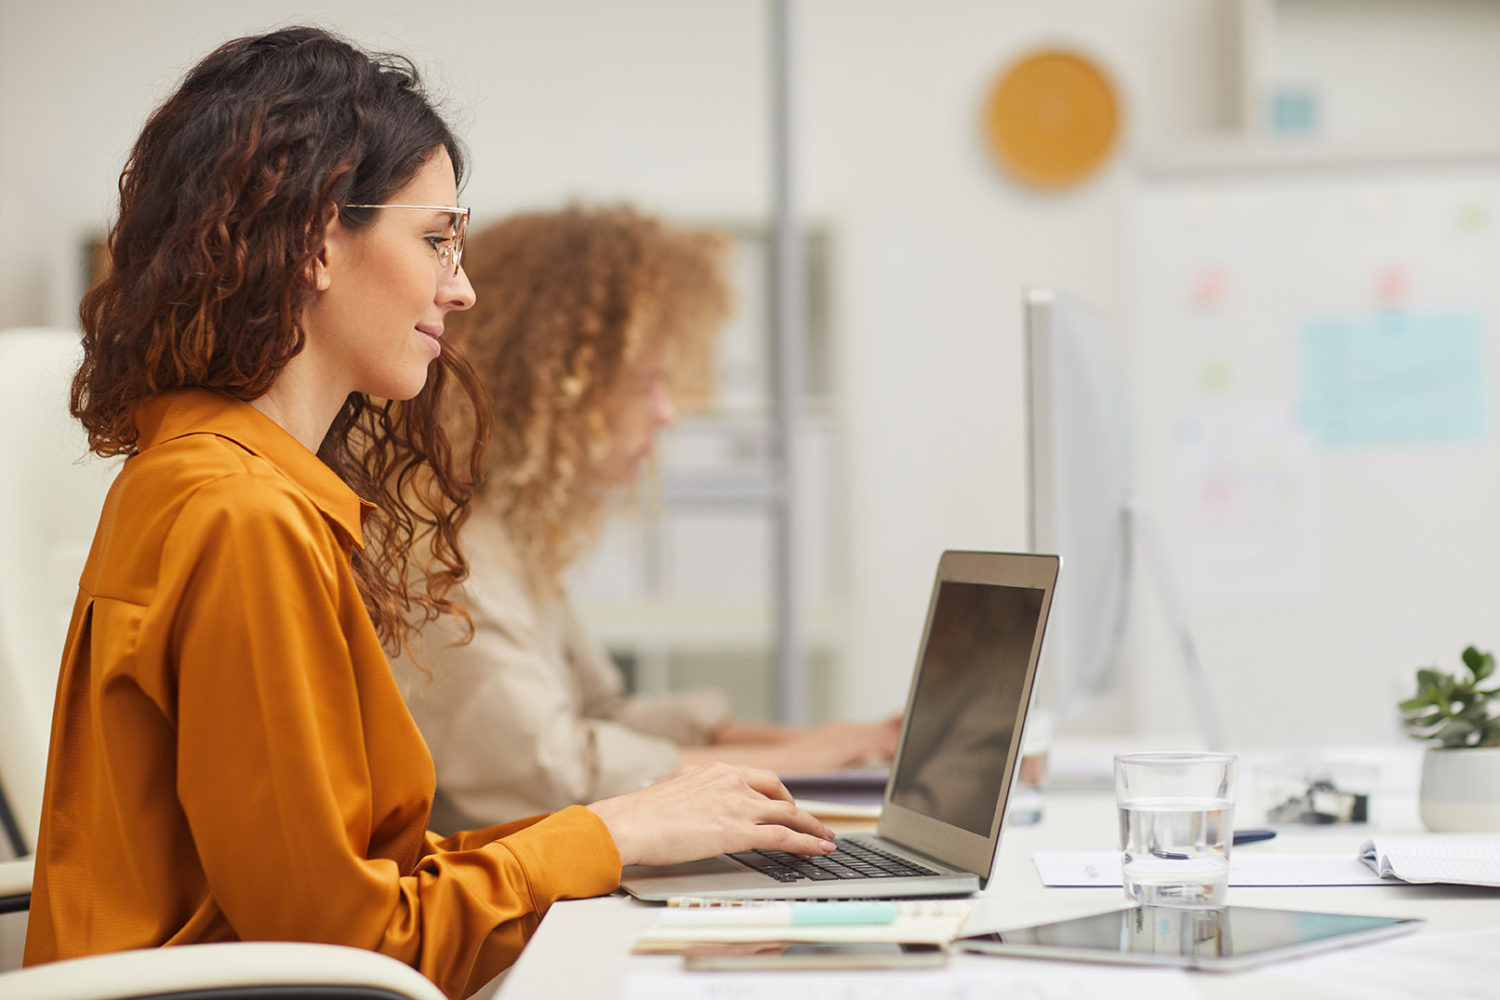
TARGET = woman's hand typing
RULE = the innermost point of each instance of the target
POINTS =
(706, 810)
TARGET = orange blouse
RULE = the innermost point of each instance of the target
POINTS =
(231, 757)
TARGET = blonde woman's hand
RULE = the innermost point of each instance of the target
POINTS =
(835, 745)
(712, 809)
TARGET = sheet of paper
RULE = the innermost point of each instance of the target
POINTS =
(1460, 965)
(929, 984)
(1102, 868)
(1246, 513)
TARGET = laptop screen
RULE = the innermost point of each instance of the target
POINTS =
(970, 690)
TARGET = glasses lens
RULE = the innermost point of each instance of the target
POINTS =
(460, 230)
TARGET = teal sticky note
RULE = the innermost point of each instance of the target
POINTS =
(1394, 379)
(839, 913)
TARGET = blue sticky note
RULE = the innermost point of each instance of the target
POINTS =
(1394, 379)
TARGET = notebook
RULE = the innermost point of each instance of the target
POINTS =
(940, 817)
(1456, 860)
(685, 923)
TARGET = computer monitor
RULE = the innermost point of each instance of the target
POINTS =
(1081, 484)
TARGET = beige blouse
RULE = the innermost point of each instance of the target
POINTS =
(531, 716)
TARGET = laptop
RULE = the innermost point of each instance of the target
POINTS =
(940, 817)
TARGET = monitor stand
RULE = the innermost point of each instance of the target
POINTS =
(1142, 528)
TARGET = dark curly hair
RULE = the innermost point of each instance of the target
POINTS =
(224, 203)
(567, 304)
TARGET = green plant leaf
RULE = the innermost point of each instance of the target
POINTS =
(1428, 720)
(1452, 710)
(1454, 733)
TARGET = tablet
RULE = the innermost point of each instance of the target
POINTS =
(1234, 937)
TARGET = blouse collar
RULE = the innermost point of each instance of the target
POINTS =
(181, 412)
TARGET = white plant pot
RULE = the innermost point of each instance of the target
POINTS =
(1461, 790)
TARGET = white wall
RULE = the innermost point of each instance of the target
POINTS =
(666, 102)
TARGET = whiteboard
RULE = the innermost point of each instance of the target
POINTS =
(1314, 371)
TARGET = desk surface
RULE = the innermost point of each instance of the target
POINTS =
(582, 948)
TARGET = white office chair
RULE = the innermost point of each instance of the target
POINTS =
(242, 970)
(50, 497)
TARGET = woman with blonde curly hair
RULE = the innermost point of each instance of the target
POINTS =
(230, 756)
(591, 323)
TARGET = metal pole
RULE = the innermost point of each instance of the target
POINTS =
(788, 312)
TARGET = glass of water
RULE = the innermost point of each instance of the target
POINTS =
(1176, 825)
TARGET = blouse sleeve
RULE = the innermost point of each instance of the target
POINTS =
(507, 735)
(687, 718)
(284, 782)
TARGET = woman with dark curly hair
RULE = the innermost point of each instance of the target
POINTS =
(230, 757)
(591, 324)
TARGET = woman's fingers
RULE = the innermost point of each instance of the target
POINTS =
(710, 810)
(787, 815)
(779, 838)
(765, 782)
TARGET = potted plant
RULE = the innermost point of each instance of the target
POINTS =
(1461, 773)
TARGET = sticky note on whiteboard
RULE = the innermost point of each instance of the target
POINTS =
(1396, 378)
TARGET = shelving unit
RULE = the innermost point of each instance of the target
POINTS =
(1343, 70)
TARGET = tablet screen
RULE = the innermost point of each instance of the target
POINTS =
(1228, 938)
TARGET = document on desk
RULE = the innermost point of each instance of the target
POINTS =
(1080, 869)
(932, 984)
(1460, 965)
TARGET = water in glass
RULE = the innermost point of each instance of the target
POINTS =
(1176, 850)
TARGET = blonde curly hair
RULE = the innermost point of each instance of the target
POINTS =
(568, 304)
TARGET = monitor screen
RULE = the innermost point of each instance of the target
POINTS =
(970, 695)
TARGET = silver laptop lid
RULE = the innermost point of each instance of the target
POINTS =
(964, 713)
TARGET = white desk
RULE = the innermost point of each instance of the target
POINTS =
(583, 947)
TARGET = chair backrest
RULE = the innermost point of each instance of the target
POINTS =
(51, 492)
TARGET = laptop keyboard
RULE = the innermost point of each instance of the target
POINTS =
(852, 859)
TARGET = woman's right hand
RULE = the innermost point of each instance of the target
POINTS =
(712, 809)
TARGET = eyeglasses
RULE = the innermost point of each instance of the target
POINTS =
(450, 250)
